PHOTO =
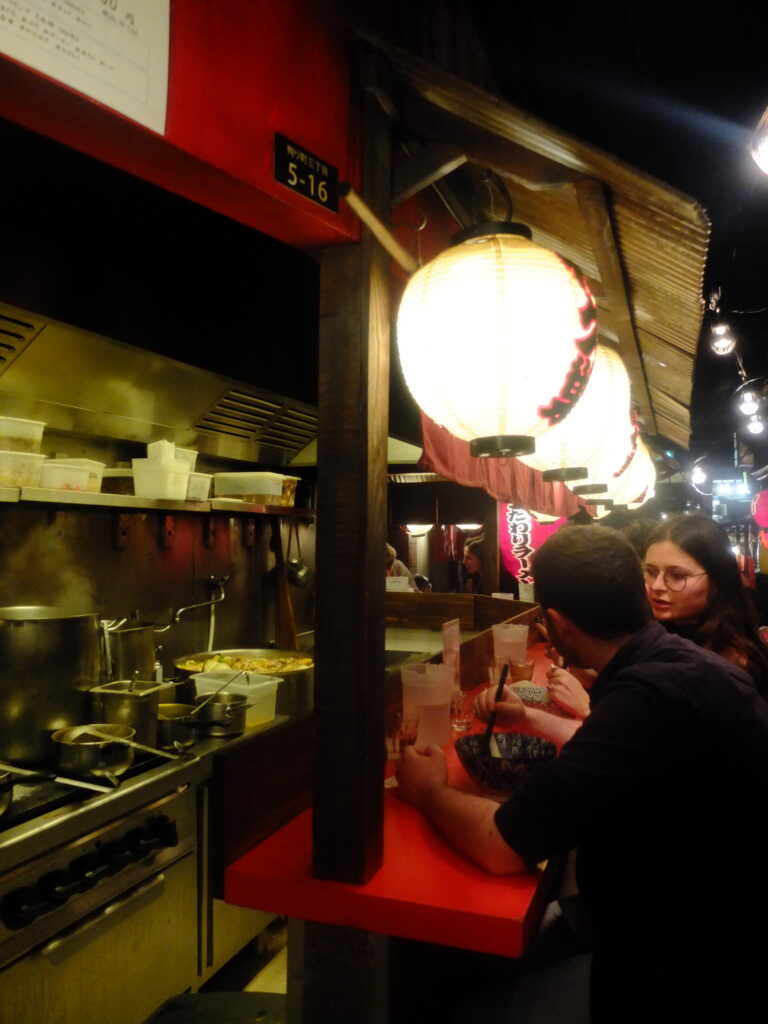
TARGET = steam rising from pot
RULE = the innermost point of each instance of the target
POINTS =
(43, 571)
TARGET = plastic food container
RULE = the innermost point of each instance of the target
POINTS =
(20, 435)
(288, 495)
(188, 455)
(153, 478)
(20, 469)
(95, 471)
(260, 690)
(259, 488)
(60, 476)
(163, 450)
(117, 481)
(199, 486)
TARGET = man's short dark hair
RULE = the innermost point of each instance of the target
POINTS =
(592, 575)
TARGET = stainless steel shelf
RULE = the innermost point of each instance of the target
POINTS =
(129, 502)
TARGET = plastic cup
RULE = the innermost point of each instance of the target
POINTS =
(427, 691)
(510, 642)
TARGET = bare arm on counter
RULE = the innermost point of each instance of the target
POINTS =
(511, 713)
(466, 820)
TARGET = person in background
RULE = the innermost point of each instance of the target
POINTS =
(474, 566)
(665, 776)
(397, 568)
(695, 589)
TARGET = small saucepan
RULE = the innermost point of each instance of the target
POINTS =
(174, 726)
(221, 714)
(79, 752)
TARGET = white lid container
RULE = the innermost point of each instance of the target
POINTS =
(20, 435)
(153, 478)
(260, 690)
(20, 469)
(61, 476)
(164, 450)
(188, 455)
(199, 486)
(252, 486)
(95, 471)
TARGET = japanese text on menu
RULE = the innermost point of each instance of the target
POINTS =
(114, 51)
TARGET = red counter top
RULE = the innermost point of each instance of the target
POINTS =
(425, 889)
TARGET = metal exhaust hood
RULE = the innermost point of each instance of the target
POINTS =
(87, 385)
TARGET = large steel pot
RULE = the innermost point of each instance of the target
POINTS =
(49, 659)
(295, 693)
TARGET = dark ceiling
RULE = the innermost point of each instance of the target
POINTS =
(675, 93)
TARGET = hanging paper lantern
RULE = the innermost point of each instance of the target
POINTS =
(496, 338)
(636, 484)
(520, 533)
(597, 438)
(760, 508)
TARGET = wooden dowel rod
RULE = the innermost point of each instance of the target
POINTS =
(377, 229)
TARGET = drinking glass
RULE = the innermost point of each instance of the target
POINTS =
(461, 711)
(402, 732)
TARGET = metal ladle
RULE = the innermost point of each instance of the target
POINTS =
(214, 693)
(90, 731)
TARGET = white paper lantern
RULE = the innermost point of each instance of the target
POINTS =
(597, 438)
(637, 483)
(496, 338)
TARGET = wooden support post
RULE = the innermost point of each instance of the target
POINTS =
(353, 403)
(336, 974)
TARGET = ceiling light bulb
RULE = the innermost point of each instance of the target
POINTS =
(698, 476)
(759, 153)
(722, 341)
(749, 402)
(758, 147)
(755, 425)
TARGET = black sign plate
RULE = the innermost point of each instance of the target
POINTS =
(303, 172)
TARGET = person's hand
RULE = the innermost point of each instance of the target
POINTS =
(510, 710)
(419, 772)
(567, 691)
(552, 653)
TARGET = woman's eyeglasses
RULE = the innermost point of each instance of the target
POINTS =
(674, 579)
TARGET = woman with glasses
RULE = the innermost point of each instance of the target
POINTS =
(694, 588)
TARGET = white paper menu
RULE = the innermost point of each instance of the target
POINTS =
(451, 645)
(114, 51)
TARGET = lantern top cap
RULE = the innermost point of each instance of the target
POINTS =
(491, 227)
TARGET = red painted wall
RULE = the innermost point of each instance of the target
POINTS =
(239, 71)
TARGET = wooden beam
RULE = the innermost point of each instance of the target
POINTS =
(421, 119)
(597, 219)
(423, 169)
(353, 398)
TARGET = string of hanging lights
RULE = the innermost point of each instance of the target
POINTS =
(752, 393)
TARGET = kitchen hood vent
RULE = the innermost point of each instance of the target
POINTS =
(15, 335)
(246, 417)
(91, 386)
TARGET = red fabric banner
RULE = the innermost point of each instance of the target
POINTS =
(506, 480)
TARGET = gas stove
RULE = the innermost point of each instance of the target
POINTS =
(32, 799)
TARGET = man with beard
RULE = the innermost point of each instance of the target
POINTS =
(660, 791)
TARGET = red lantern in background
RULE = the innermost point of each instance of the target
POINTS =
(760, 509)
(520, 533)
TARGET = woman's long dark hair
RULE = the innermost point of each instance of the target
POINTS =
(729, 624)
